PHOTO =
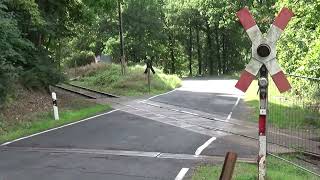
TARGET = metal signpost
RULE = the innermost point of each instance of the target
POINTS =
(147, 71)
(263, 61)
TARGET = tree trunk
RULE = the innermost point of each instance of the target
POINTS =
(199, 52)
(209, 44)
(190, 49)
(224, 58)
(218, 50)
(122, 58)
(173, 59)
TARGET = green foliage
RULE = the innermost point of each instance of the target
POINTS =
(183, 36)
(108, 78)
(31, 33)
(40, 71)
(277, 169)
(144, 29)
(285, 110)
(299, 48)
(81, 59)
(12, 51)
(10, 131)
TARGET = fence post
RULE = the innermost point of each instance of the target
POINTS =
(55, 106)
(228, 166)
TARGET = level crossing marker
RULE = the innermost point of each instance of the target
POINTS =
(147, 71)
(263, 61)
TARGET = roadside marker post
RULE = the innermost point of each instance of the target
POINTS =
(263, 61)
(147, 71)
(55, 106)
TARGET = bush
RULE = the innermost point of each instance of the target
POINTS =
(108, 77)
(40, 72)
(12, 50)
(81, 59)
(20, 60)
(7, 77)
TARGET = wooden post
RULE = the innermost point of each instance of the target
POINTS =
(228, 166)
(149, 79)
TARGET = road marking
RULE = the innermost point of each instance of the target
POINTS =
(161, 94)
(70, 124)
(182, 173)
(205, 145)
(234, 106)
(229, 116)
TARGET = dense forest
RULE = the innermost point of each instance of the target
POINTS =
(40, 38)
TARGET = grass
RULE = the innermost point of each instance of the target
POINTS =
(108, 78)
(45, 121)
(285, 110)
(276, 170)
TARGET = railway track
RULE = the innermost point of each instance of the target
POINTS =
(93, 94)
(85, 92)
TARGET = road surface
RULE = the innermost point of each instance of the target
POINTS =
(155, 138)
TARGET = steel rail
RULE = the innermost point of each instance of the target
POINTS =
(76, 92)
(95, 91)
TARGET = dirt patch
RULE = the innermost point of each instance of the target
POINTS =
(28, 104)
(24, 104)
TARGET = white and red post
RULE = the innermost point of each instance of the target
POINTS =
(263, 89)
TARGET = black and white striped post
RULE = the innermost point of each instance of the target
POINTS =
(55, 106)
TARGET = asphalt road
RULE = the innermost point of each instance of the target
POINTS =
(211, 96)
(218, 97)
(123, 146)
(65, 166)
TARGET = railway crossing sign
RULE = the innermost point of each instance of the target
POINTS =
(264, 49)
(263, 61)
(149, 66)
(147, 71)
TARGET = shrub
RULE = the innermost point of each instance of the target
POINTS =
(81, 59)
(40, 72)
(108, 77)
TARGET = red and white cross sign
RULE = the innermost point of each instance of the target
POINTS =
(264, 49)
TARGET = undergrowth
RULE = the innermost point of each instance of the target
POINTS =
(108, 78)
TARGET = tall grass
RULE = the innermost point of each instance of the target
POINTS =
(276, 170)
(285, 110)
(45, 121)
(108, 78)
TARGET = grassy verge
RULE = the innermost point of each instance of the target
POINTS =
(45, 121)
(285, 110)
(108, 78)
(277, 169)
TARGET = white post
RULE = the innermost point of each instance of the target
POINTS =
(55, 106)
